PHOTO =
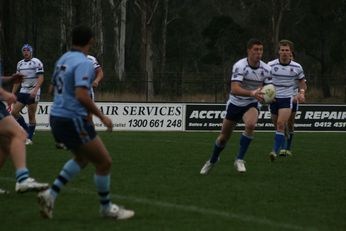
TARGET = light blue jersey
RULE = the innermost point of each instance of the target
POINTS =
(72, 70)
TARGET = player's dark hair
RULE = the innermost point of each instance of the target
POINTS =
(81, 35)
(285, 42)
(252, 42)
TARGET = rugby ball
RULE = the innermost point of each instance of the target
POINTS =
(269, 93)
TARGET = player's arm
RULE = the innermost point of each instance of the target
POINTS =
(236, 89)
(8, 97)
(15, 87)
(302, 89)
(82, 95)
(40, 81)
(98, 78)
(15, 78)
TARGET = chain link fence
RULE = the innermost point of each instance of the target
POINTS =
(196, 88)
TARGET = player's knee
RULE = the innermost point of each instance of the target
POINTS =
(4, 145)
(222, 140)
(15, 114)
(107, 164)
(21, 134)
(32, 119)
(280, 126)
(250, 126)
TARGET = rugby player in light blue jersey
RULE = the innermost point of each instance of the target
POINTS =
(248, 76)
(30, 90)
(72, 80)
(285, 72)
(12, 142)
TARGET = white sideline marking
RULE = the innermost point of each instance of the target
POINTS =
(194, 209)
(204, 211)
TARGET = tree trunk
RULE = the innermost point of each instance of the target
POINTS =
(122, 40)
(116, 47)
(323, 79)
(96, 15)
(278, 7)
(149, 63)
(148, 9)
(164, 37)
(66, 10)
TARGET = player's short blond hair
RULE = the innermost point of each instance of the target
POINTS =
(286, 42)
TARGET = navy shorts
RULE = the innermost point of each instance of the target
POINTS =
(280, 103)
(3, 111)
(235, 113)
(26, 99)
(72, 132)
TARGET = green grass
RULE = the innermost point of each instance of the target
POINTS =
(157, 175)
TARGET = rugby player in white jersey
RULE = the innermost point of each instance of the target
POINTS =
(248, 76)
(285, 72)
(12, 142)
(30, 89)
(98, 75)
(289, 132)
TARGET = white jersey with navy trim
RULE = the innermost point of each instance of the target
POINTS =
(250, 79)
(31, 69)
(285, 77)
(94, 61)
(96, 65)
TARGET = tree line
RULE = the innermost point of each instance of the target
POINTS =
(148, 39)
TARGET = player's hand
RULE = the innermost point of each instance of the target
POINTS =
(301, 98)
(17, 77)
(107, 122)
(258, 94)
(295, 99)
(33, 94)
(95, 84)
(9, 98)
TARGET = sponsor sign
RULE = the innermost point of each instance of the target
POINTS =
(127, 116)
(144, 117)
(199, 117)
(308, 118)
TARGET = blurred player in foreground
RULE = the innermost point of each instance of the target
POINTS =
(248, 76)
(72, 80)
(285, 72)
(12, 142)
(30, 90)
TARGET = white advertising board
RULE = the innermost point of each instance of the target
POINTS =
(127, 116)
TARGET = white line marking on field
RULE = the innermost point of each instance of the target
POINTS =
(193, 208)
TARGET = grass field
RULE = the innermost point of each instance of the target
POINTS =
(157, 175)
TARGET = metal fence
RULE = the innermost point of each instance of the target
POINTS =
(197, 88)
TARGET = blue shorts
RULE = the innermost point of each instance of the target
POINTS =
(280, 103)
(3, 111)
(72, 132)
(235, 113)
(26, 99)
